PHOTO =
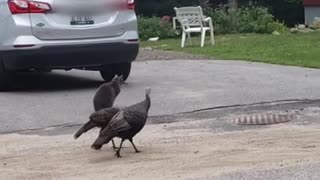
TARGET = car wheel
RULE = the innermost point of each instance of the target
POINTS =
(6, 78)
(109, 71)
(124, 69)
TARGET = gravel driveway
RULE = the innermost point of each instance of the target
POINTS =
(146, 54)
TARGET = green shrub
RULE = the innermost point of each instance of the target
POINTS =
(225, 21)
(276, 26)
(154, 27)
(249, 19)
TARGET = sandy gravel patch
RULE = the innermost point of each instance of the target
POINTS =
(168, 153)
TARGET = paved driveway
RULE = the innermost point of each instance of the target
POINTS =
(178, 86)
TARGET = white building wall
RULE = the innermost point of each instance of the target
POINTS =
(310, 13)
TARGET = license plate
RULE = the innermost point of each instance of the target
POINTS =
(81, 20)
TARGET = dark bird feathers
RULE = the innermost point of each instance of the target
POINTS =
(125, 124)
(99, 119)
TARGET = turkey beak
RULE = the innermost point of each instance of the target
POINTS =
(96, 147)
(99, 143)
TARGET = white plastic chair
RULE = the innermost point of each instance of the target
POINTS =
(192, 20)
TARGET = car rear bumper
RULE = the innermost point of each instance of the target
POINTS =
(70, 56)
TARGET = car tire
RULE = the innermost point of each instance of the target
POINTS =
(6, 78)
(109, 71)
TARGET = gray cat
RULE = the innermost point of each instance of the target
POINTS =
(107, 93)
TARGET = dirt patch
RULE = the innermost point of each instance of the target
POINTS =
(147, 54)
(167, 153)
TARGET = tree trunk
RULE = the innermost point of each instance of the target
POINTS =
(233, 4)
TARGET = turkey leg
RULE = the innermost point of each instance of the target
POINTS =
(118, 151)
(135, 148)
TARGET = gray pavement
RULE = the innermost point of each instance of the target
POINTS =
(56, 98)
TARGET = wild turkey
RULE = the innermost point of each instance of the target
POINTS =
(107, 93)
(98, 119)
(103, 102)
(125, 124)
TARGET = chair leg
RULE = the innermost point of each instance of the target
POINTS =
(212, 36)
(189, 37)
(203, 38)
(183, 41)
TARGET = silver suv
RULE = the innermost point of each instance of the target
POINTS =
(41, 35)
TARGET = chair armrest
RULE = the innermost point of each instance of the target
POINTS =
(174, 21)
(207, 19)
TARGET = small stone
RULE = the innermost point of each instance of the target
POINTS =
(316, 23)
(294, 30)
(307, 30)
(301, 26)
(276, 33)
(196, 152)
(4, 164)
(148, 48)
(153, 39)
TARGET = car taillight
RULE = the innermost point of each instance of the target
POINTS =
(39, 7)
(131, 4)
(18, 6)
(25, 6)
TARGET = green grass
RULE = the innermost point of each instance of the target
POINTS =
(287, 49)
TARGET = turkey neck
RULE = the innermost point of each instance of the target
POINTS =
(147, 102)
(142, 107)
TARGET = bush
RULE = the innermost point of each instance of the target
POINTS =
(276, 26)
(249, 19)
(155, 27)
(289, 11)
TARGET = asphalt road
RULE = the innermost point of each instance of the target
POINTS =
(57, 98)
